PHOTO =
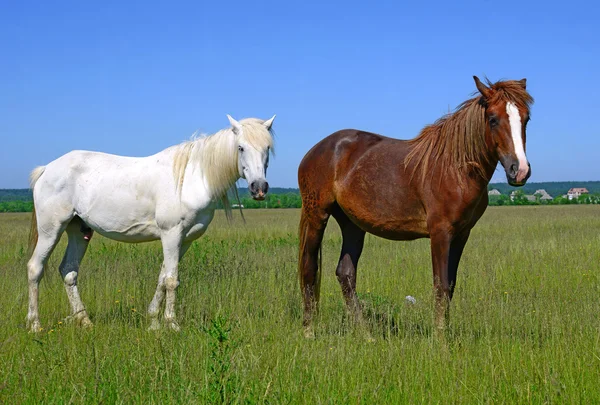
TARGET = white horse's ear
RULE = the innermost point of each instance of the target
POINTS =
(237, 127)
(269, 123)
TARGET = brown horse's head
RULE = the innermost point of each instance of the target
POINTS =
(506, 106)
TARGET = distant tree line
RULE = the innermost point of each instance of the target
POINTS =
(18, 194)
(276, 198)
(20, 200)
(16, 206)
(288, 200)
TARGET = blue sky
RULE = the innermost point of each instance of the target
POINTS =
(135, 78)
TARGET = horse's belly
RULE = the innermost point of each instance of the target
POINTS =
(119, 215)
(407, 231)
(397, 217)
(393, 228)
(132, 233)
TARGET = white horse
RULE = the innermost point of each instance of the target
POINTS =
(169, 196)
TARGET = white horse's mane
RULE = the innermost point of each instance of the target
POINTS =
(216, 156)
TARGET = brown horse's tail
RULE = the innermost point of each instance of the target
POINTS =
(303, 233)
(33, 231)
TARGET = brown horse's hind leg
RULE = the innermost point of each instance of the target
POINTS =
(352, 245)
(312, 227)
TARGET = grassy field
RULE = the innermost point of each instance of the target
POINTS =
(525, 319)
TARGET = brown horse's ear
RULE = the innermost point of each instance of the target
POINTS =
(483, 89)
(523, 82)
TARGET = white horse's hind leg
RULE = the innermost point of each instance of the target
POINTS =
(69, 268)
(47, 239)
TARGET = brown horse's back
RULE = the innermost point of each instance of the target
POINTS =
(363, 174)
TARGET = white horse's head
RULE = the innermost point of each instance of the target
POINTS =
(254, 144)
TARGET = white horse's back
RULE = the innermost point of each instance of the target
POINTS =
(116, 196)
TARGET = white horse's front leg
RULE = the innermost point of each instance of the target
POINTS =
(173, 250)
(159, 296)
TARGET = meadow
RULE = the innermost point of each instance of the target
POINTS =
(525, 324)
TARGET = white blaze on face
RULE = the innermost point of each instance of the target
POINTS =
(514, 118)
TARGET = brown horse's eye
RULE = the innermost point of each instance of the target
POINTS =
(493, 121)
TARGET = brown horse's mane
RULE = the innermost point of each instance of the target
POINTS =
(457, 140)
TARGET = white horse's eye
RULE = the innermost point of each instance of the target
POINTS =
(241, 148)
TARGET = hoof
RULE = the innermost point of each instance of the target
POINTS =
(154, 325)
(85, 323)
(35, 327)
(441, 328)
(80, 319)
(309, 333)
(365, 333)
(173, 325)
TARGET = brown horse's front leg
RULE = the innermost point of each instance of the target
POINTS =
(440, 257)
(456, 249)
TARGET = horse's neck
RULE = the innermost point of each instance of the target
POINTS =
(490, 159)
(478, 180)
(210, 166)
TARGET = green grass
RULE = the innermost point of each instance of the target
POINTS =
(524, 329)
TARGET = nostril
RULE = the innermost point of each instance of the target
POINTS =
(266, 188)
(514, 168)
(253, 186)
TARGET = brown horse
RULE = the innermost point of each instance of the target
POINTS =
(433, 186)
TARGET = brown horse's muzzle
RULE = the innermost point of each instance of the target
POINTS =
(516, 177)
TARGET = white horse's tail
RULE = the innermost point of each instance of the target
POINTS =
(33, 232)
(35, 175)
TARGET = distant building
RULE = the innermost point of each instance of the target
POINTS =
(494, 192)
(237, 205)
(575, 192)
(544, 196)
